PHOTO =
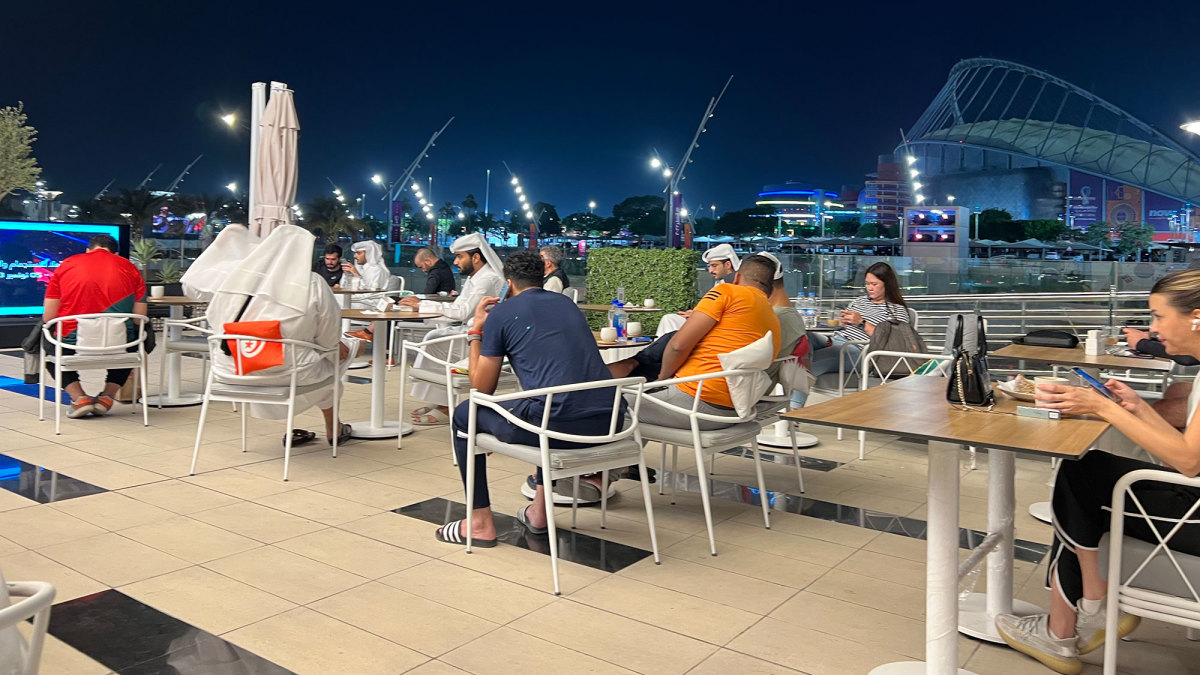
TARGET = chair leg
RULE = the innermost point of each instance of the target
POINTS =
(712, 464)
(708, 522)
(574, 502)
(145, 403)
(58, 402)
(287, 435)
(862, 445)
(675, 470)
(796, 456)
(552, 530)
(244, 404)
(162, 373)
(1192, 634)
(41, 392)
(604, 499)
(762, 485)
(200, 432)
(974, 459)
(649, 508)
(662, 468)
(337, 420)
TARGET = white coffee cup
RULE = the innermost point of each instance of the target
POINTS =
(1039, 381)
(634, 329)
(608, 334)
(648, 302)
(158, 291)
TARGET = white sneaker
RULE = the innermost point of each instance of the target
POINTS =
(1031, 636)
(1090, 628)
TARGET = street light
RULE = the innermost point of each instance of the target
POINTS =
(1191, 127)
(655, 162)
(232, 187)
(950, 198)
(591, 206)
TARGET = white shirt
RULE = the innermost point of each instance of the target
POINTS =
(486, 282)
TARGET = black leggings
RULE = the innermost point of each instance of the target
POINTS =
(488, 421)
(1082, 507)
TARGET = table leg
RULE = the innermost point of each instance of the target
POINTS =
(977, 612)
(377, 426)
(173, 362)
(941, 569)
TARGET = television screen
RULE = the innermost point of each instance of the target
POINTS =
(31, 251)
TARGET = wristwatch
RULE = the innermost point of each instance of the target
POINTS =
(474, 337)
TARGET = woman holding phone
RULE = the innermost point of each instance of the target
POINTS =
(881, 302)
(1083, 492)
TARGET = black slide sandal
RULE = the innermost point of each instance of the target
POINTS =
(300, 437)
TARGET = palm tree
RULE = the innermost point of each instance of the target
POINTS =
(327, 216)
(141, 207)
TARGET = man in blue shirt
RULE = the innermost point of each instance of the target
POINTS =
(545, 338)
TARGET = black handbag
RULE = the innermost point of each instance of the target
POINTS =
(1048, 338)
(969, 384)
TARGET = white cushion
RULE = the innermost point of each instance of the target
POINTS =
(745, 390)
(1159, 575)
(98, 335)
(724, 438)
(623, 452)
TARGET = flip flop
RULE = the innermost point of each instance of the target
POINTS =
(433, 418)
(300, 437)
(344, 434)
(524, 520)
(451, 533)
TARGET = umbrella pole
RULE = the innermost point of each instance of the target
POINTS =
(258, 101)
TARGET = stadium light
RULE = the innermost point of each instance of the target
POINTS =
(1191, 127)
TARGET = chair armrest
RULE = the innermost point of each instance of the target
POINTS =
(630, 385)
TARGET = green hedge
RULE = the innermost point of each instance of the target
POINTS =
(668, 276)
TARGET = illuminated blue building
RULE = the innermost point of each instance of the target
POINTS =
(804, 210)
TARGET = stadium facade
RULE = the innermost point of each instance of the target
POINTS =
(1003, 135)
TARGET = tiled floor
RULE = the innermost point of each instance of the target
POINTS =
(321, 575)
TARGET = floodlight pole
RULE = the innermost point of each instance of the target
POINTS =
(677, 174)
(398, 185)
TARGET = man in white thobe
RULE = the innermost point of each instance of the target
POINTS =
(479, 263)
(244, 278)
(723, 262)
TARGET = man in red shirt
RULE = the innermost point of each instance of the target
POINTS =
(88, 283)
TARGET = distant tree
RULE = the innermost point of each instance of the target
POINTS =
(705, 226)
(1097, 234)
(1133, 238)
(867, 231)
(447, 212)
(846, 228)
(469, 204)
(326, 217)
(998, 224)
(582, 222)
(18, 167)
(642, 215)
(547, 219)
(757, 219)
(1045, 230)
(141, 207)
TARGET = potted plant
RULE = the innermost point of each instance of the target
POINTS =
(143, 252)
(169, 276)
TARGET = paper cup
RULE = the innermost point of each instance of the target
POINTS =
(608, 334)
(648, 302)
(158, 291)
(1039, 381)
(634, 329)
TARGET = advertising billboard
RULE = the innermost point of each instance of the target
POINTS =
(1122, 204)
(676, 238)
(1085, 200)
(1165, 215)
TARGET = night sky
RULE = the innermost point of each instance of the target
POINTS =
(573, 96)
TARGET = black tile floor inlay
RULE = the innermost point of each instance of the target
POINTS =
(131, 637)
(574, 546)
(40, 484)
(1027, 551)
(784, 457)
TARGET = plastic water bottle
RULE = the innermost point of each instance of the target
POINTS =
(810, 311)
(621, 295)
(618, 318)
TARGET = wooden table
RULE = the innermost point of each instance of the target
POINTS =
(344, 301)
(173, 362)
(377, 426)
(1076, 357)
(631, 309)
(916, 407)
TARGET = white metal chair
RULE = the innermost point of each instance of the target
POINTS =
(102, 342)
(17, 656)
(573, 293)
(183, 344)
(1153, 581)
(620, 447)
(874, 374)
(441, 372)
(743, 430)
(264, 389)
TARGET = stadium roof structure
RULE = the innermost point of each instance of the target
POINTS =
(1003, 106)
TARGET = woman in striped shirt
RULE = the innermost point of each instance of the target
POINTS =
(882, 301)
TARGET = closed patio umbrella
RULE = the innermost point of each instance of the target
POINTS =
(276, 173)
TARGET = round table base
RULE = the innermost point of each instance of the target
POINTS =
(908, 668)
(1041, 511)
(773, 440)
(174, 401)
(973, 620)
(387, 430)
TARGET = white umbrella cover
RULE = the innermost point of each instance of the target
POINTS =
(276, 174)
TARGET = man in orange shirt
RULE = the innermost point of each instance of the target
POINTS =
(729, 317)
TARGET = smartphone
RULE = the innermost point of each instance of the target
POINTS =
(504, 291)
(1093, 382)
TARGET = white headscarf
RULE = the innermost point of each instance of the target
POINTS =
(474, 241)
(722, 252)
(778, 265)
(374, 256)
(238, 263)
